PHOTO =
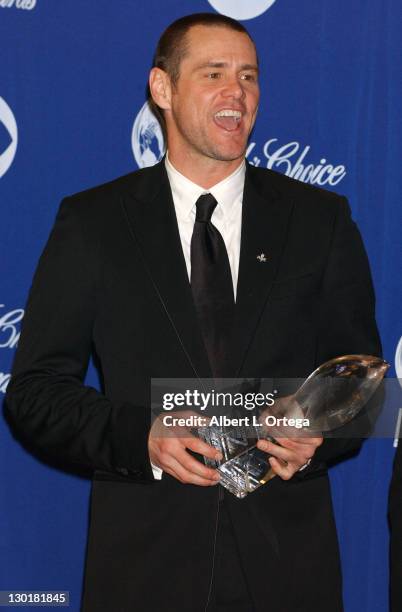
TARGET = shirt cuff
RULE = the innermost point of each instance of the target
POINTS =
(303, 467)
(157, 472)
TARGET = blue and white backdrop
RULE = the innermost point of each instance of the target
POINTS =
(72, 115)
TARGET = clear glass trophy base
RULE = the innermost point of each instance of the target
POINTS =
(244, 467)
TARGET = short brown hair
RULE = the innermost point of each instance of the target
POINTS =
(173, 45)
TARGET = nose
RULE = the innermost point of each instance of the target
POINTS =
(233, 88)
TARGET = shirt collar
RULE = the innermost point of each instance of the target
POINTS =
(186, 193)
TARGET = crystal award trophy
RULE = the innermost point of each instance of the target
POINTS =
(329, 398)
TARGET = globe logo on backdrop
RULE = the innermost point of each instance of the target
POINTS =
(8, 136)
(147, 139)
(241, 9)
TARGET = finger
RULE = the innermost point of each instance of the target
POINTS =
(299, 447)
(310, 441)
(283, 471)
(194, 466)
(285, 454)
(201, 447)
(173, 453)
(185, 476)
(178, 475)
(166, 443)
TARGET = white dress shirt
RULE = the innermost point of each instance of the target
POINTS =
(226, 218)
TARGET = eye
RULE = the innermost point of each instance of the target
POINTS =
(213, 75)
(248, 77)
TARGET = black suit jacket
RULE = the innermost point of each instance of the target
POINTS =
(112, 278)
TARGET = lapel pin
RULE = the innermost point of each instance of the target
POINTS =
(262, 258)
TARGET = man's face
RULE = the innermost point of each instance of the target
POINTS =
(214, 102)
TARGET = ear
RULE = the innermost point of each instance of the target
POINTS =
(160, 88)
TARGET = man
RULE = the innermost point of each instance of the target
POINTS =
(115, 274)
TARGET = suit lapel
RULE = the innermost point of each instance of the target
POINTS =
(151, 216)
(265, 219)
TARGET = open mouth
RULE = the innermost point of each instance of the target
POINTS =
(228, 119)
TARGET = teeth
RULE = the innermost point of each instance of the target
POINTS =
(227, 112)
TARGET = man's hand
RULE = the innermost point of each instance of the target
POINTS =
(167, 447)
(295, 447)
(291, 455)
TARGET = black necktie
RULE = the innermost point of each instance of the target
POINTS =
(212, 286)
